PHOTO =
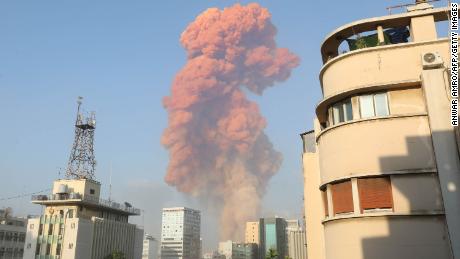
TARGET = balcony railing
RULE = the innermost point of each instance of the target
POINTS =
(77, 196)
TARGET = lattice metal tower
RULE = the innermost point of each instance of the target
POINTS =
(82, 162)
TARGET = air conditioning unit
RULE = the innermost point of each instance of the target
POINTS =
(432, 60)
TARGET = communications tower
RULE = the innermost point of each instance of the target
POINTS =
(82, 162)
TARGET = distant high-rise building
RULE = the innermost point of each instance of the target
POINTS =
(180, 233)
(297, 244)
(150, 248)
(272, 236)
(293, 225)
(296, 239)
(225, 248)
(12, 235)
(234, 250)
(213, 255)
(252, 232)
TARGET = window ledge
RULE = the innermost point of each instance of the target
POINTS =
(395, 116)
(383, 214)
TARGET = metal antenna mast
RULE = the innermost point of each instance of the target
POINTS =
(82, 162)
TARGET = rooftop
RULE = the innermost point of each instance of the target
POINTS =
(77, 198)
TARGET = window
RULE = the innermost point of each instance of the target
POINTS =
(22, 237)
(50, 229)
(375, 193)
(48, 249)
(61, 229)
(40, 229)
(342, 197)
(91, 191)
(37, 250)
(58, 249)
(70, 245)
(342, 111)
(2, 234)
(70, 213)
(374, 105)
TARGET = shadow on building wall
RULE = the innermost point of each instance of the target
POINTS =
(423, 234)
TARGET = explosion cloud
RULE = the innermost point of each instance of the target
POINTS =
(218, 149)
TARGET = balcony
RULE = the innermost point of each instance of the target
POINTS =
(396, 144)
(91, 201)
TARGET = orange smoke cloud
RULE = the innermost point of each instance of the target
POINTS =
(218, 149)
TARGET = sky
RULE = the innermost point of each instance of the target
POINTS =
(121, 56)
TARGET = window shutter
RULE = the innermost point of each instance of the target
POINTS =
(375, 193)
(342, 197)
(325, 204)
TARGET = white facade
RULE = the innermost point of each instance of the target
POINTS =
(296, 239)
(225, 248)
(297, 244)
(77, 224)
(150, 248)
(180, 233)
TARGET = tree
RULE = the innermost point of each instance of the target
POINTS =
(271, 254)
(287, 257)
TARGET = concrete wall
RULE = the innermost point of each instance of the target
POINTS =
(376, 146)
(387, 237)
(30, 245)
(384, 65)
(314, 209)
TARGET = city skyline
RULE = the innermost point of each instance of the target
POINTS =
(122, 78)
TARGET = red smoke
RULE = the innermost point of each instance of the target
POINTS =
(218, 149)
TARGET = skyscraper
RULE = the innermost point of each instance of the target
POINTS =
(272, 236)
(180, 233)
(296, 239)
(252, 232)
(150, 248)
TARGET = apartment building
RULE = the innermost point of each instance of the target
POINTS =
(381, 167)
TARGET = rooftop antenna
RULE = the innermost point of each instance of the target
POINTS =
(82, 162)
(110, 182)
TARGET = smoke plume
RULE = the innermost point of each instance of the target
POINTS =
(218, 149)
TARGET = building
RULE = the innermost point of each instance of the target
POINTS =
(234, 250)
(252, 232)
(12, 235)
(296, 240)
(293, 225)
(272, 236)
(381, 168)
(297, 244)
(213, 255)
(180, 233)
(76, 223)
(226, 248)
(150, 248)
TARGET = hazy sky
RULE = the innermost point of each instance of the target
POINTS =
(122, 56)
